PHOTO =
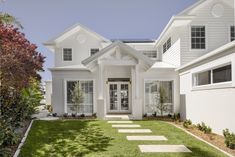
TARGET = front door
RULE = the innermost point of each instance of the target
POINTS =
(119, 97)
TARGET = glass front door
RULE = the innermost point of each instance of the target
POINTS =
(118, 97)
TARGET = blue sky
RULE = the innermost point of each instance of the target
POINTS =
(113, 19)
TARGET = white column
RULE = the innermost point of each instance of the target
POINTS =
(137, 81)
(100, 82)
(233, 71)
(100, 100)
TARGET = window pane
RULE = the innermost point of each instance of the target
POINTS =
(67, 54)
(203, 78)
(232, 33)
(94, 51)
(152, 95)
(198, 40)
(87, 89)
(222, 74)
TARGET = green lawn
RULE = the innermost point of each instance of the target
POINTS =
(72, 138)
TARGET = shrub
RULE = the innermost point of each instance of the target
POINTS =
(73, 114)
(94, 115)
(176, 117)
(154, 114)
(145, 115)
(204, 128)
(54, 114)
(229, 139)
(187, 123)
(65, 115)
(8, 135)
(82, 115)
(49, 108)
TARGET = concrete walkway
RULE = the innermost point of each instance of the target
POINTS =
(43, 114)
(125, 123)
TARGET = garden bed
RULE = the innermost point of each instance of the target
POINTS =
(21, 131)
(214, 139)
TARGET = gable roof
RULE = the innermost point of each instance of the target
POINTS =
(199, 4)
(70, 31)
(120, 44)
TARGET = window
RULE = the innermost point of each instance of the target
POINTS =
(150, 54)
(198, 37)
(152, 95)
(212, 76)
(203, 78)
(94, 51)
(87, 89)
(222, 74)
(67, 54)
(232, 31)
(166, 45)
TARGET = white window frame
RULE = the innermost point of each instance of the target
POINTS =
(173, 91)
(145, 52)
(65, 92)
(63, 53)
(167, 46)
(214, 65)
(190, 36)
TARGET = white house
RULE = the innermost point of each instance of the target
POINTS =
(193, 60)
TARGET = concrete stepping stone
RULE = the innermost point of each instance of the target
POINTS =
(120, 122)
(146, 138)
(134, 131)
(163, 149)
(126, 126)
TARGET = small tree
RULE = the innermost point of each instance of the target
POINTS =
(77, 96)
(161, 100)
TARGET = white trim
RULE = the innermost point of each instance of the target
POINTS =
(63, 53)
(190, 38)
(173, 91)
(227, 84)
(210, 54)
(119, 103)
(23, 140)
(65, 92)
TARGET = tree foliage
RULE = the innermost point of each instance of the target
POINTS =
(77, 96)
(162, 98)
(19, 61)
(7, 19)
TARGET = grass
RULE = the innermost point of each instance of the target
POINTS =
(71, 138)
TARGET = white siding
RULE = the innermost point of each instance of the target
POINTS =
(80, 51)
(48, 92)
(217, 30)
(172, 56)
(211, 104)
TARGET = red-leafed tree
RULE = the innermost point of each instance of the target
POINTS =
(19, 59)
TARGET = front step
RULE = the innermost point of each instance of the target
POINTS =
(117, 117)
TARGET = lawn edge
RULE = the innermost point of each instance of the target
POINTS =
(17, 152)
(226, 153)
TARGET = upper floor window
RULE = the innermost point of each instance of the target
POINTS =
(67, 54)
(150, 54)
(166, 45)
(232, 31)
(211, 76)
(198, 37)
(94, 51)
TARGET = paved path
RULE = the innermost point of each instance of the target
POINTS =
(126, 123)
(43, 114)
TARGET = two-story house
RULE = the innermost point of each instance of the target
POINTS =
(193, 60)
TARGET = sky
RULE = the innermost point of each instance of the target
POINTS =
(113, 19)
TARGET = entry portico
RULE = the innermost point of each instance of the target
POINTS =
(118, 67)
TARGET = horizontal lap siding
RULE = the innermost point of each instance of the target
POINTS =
(217, 31)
